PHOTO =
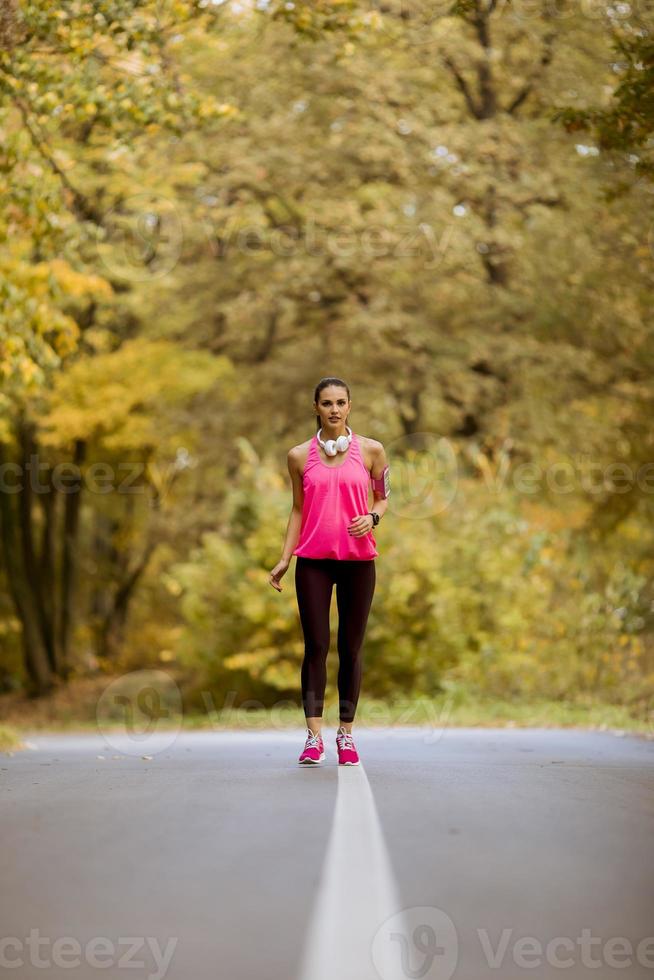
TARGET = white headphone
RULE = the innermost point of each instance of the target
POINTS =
(333, 446)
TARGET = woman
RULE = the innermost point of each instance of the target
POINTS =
(330, 532)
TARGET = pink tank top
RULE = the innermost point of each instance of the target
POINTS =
(333, 496)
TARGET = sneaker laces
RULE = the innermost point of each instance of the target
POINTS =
(313, 741)
(345, 740)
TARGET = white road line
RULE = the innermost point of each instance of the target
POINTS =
(356, 895)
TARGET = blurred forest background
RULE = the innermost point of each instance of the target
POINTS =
(207, 207)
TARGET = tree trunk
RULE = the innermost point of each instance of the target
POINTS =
(72, 503)
(112, 630)
(31, 483)
(36, 660)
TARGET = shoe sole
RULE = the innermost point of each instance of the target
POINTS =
(311, 762)
(348, 763)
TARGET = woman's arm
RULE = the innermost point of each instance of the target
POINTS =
(377, 471)
(294, 521)
(295, 518)
(363, 523)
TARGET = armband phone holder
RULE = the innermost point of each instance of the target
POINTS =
(382, 484)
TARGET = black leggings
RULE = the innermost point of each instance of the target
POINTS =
(355, 585)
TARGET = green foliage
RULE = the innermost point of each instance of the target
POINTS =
(9, 739)
(239, 635)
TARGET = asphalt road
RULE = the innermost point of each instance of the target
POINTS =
(482, 853)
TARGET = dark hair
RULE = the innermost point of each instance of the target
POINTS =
(325, 383)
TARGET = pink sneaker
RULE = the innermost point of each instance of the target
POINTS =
(314, 750)
(347, 753)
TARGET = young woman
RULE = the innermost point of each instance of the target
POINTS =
(330, 533)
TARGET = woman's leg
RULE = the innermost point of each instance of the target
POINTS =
(313, 587)
(354, 591)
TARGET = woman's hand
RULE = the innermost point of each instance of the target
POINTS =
(360, 525)
(278, 572)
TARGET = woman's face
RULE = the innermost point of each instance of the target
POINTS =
(333, 406)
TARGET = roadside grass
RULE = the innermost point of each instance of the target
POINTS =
(73, 708)
(10, 740)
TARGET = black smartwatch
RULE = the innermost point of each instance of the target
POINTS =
(375, 517)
